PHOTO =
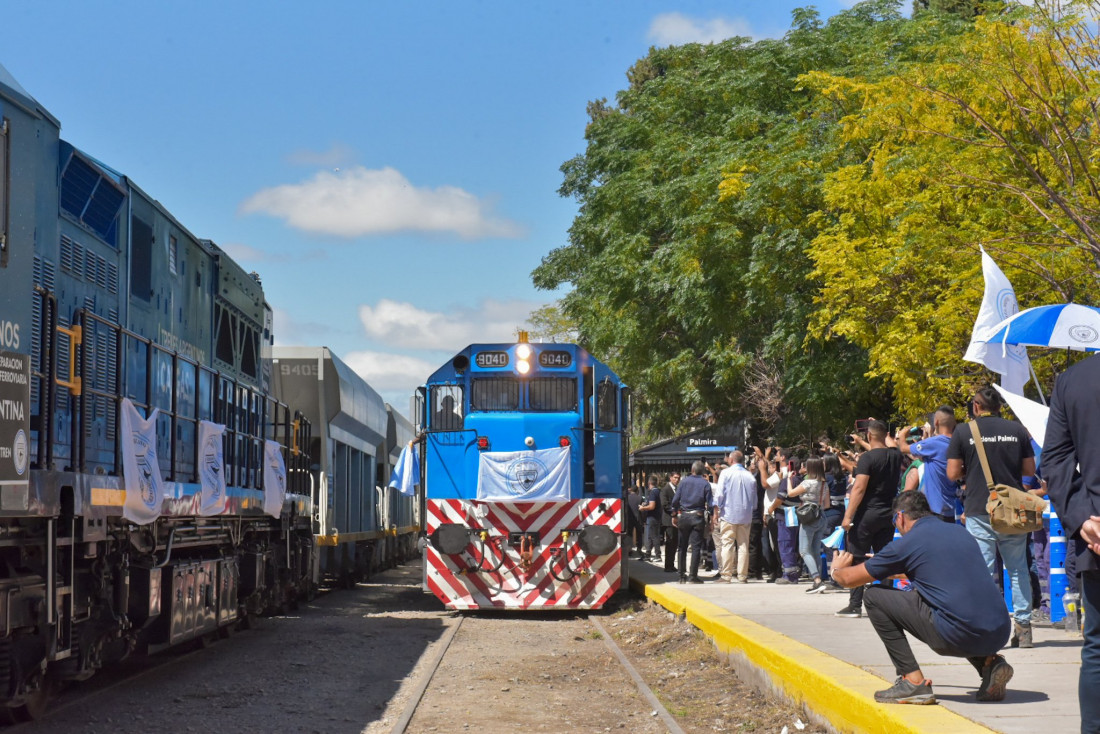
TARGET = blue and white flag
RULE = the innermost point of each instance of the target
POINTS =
(211, 469)
(274, 478)
(524, 475)
(998, 303)
(406, 475)
(140, 470)
(835, 541)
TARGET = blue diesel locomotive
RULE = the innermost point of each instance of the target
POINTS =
(154, 486)
(523, 458)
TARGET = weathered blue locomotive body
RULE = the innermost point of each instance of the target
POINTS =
(106, 299)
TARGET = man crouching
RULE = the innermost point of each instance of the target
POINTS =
(956, 609)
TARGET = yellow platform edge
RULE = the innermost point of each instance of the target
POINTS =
(837, 692)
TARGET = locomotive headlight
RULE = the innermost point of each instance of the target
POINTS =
(523, 351)
(523, 366)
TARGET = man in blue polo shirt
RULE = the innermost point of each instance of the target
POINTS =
(956, 608)
(935, 485)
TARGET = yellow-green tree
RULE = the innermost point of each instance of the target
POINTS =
(994, 140)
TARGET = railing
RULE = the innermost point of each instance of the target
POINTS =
(249, 415)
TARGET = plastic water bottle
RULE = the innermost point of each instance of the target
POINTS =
(1071, 604)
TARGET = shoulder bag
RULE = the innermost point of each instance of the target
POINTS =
(1011, 511)
(808, 512)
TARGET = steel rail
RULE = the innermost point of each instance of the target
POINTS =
(414, 701)
(643, 688)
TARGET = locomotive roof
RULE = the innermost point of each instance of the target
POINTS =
(14, 90)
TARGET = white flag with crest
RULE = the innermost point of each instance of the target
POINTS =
(998, 303)
(524, 475)
(212, 495)
(140, 470)
(274, 478)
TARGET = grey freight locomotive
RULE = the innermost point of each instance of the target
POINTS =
(153, 487)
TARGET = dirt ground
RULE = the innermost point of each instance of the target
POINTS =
(349, 662)
(682, 667)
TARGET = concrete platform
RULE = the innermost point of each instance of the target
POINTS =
(792, 642)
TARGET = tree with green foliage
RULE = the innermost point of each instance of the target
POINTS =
(700, 191)
(993, 140)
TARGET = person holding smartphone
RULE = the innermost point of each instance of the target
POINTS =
(868, 518)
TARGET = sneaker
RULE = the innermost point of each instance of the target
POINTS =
(817, 588)
(694, 580)
(832, 587)
(995, 678)
(905, 692)
(855, 613)
(1021, 636)
(784, 580)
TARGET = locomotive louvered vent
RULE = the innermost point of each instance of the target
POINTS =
(91, 197)
(83, 263)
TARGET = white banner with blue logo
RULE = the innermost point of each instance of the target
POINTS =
(274, 478)
(211, 469)
(140, 470)
(541, 475)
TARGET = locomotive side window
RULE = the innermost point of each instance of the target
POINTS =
(141, 259)
(607, 405)
(5, 185)
(488, 394)
(553, 394)
(447, 408)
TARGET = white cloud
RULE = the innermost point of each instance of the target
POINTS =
(674, 29)
(289, 332)
(405, 326)
(243, 253)
(393, 374)
(361, 201)
(338, 155)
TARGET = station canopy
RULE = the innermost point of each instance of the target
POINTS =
(710, 444)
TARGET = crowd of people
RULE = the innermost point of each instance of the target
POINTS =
(765, 513)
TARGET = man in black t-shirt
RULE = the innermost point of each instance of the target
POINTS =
(867, 518)
(1011, 458)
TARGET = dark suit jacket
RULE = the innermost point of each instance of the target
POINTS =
(1073, 438)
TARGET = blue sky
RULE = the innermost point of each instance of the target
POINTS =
(389, 168)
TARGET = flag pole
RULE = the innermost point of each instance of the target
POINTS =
(1037, 385)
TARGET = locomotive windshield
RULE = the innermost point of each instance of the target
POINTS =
(553, 394)
(447, 408)
(489, 394)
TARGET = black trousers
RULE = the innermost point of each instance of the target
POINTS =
(672, 542)
(691, 534)
(894, 612)
(756, 549)
(868, 534)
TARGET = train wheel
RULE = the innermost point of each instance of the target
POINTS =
(38, 691)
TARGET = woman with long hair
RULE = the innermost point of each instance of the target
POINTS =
(814, 495)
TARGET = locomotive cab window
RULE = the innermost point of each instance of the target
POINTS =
(607, 405)
(488, 394)
(447, 405)
(553, 394)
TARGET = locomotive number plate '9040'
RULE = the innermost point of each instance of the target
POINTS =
(491, 359)
(555, 358)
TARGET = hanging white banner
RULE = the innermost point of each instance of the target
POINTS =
(211, 469)
(406, 474)
(274, 478)
(140, 470)
(524, 475)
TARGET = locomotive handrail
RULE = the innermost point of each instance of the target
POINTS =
(248, 415)
(76, 339)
